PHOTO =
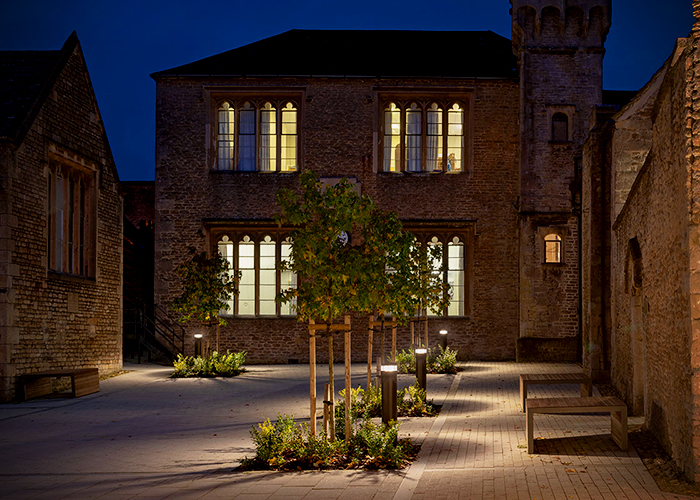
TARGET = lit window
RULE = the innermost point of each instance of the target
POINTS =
(452, 270)
(71, 215)
(552, 248)
(257, 136)
(560, 127)
(260, 278)
(416, 140)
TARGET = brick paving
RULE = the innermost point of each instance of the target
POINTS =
(148, 437)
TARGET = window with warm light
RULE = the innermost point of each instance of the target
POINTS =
(552, 249)
(258, 257)
(257, 135)
(423, 136)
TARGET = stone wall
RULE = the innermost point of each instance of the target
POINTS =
(339, 119)
(51, 320)
(652, 248)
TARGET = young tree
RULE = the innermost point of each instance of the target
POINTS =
(208, 286)
(329, 266)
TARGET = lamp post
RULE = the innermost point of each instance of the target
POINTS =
(443, 339)
(389, 383)
(198, 344)
(421, 358)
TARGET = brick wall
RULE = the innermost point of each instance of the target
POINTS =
(51, 321)
(338, 125)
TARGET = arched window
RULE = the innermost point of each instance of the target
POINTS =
(392, 138)
(226, 137)
(437, 265)
(455, 138)
(552, 248)
(288, 279)
(225, 248)
(289, 138)
(246, 138)
(560, 127)
(246, 284)
(434, 138)
(414, 119)
(455, 276)
(268, 277)
(268, 137)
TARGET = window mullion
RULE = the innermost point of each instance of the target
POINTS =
(278, 136)
(402, 139)
(424, 138)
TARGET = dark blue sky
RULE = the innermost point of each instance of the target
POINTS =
(125, 41)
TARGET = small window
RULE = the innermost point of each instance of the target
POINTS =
(552, 249)
(560, 127)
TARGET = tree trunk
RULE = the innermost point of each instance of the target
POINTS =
(370, 343)
(331, 420)
(312, 379)
(348, 381)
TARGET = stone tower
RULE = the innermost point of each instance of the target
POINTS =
(559, 45)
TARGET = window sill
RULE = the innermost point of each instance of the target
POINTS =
(554, 264)
(71, 278)
(560, 143)
(420, 174)
(251, 172)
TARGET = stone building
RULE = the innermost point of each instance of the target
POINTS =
(475, 140)
(60, 220)
(641, 286)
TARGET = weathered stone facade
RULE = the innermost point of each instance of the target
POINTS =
(640, 283)
(51, 319)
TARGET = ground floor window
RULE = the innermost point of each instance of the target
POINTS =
(258, 257)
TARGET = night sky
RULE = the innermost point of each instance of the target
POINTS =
(125, 41)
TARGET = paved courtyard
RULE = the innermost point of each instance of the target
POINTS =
(146, 436)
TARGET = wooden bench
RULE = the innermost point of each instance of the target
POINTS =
(554, 378)
(616, 408)
(83, 381)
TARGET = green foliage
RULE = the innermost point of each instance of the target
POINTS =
(438, 360)
(208, 286)
(217, 365)
(381, 269)
(289, 446)
(412, 402)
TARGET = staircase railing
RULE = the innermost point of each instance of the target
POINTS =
(155, 331)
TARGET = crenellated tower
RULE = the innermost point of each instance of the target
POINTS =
(560, 48)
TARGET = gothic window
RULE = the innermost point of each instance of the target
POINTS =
(71, 205)
(423, 136)
(257, 257)
(257, 135)
(552, 249)
(452, 268)
(560, 127)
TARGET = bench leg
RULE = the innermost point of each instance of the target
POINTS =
(587, 389)
(523, 394)
(530, 429)
(618, 425)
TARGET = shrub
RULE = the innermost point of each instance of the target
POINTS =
(412, 402)
(286, 445)
(438, 360)
(217, 365)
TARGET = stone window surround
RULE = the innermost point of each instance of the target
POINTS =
(216, 95)
(567, 109)
(256, 234)
(562, 232)
(465, 96)
(78, 170)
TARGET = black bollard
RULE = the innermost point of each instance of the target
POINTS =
(389, 384)
(198, 344)
(421, 362)
(443, 339)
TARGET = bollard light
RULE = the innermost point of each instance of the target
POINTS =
(198, 344)
(389, 384)
(421, 367)
(443, 339)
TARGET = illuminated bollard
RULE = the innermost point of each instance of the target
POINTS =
(389, 385)
(198, 344)
(421, 368)
(443, 339)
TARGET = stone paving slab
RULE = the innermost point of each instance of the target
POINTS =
(144, 436)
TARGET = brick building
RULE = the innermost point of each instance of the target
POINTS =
(640, 283)
(472, 138)
(60, 220)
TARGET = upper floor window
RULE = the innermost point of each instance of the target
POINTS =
(71, 204)
(423, 136)
(552, 249)
(257, 135)
(560, 127)
(258, 257)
